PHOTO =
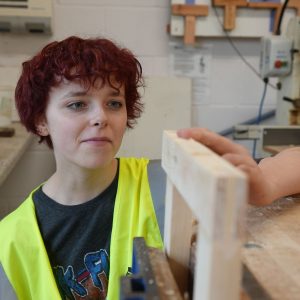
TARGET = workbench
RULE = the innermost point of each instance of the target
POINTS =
(276, 149)
(12, 148)
(272, 249)
(270, 256)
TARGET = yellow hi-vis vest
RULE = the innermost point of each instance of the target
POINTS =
(22, 251)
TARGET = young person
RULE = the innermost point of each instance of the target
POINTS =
(272, 178)
(72, 237)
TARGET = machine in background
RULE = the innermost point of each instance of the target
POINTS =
(280, 57)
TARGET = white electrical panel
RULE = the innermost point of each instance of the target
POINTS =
(276, 56)
(26, 16)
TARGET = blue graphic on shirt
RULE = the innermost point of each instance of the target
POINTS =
(90, 282)
(68, 282)
(97, 263)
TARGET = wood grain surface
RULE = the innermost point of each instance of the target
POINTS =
(272, 250)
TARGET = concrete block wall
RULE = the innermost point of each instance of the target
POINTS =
(141, 26)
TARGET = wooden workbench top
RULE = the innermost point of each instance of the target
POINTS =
(272, 251)
(11, 149)
(277, 148)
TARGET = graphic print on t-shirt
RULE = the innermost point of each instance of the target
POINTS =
(89, 284)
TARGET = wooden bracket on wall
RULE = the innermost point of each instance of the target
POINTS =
(296, 5)
(269, 5)
(230, 7)
(190, 12)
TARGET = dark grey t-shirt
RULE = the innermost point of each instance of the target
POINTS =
(77, 240)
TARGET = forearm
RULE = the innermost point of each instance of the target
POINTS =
(282, 173)
(273, 178)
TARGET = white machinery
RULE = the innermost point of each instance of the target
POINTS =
(26, 16)
(280, 57)
(275, 57)
(288, 100)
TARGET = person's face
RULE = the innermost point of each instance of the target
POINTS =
(86, 126)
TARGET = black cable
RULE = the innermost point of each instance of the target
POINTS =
(278, 29)
(238, 51)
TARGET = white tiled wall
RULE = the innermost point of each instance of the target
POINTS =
(141, 26)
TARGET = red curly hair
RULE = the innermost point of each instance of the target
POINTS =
(80, 60)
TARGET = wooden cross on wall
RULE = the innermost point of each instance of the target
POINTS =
(230, 7)
(190, 12)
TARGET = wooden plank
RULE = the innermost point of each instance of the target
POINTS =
(272, 252)
(229, 17)
(216, 193)
(274, 149)
(189, 10)
(296, 5)
(230, 2)
(267, 5)
(151, 276)
(168, 289)
(189, 30)
(251, 288)
(178, 223)
(250, 22)
(278, 6)
(230, 7)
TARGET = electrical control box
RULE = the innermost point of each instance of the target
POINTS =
(26, 16)
(275, 56)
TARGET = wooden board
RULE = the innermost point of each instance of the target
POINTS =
(272, 251)
(203, 186)
(250, 22)
(190, 12)
(230, 11)
(274, 149)
(168, 289)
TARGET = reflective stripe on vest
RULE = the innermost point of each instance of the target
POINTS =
(6, 290)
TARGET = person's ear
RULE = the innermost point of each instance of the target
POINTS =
(42, 128)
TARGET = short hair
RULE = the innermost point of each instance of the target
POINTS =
(83, 61)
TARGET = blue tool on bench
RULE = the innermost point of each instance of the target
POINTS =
(141, 285)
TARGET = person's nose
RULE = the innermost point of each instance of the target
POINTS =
(99, 117)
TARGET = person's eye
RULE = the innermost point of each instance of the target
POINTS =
(77, 106)
(115, 104)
